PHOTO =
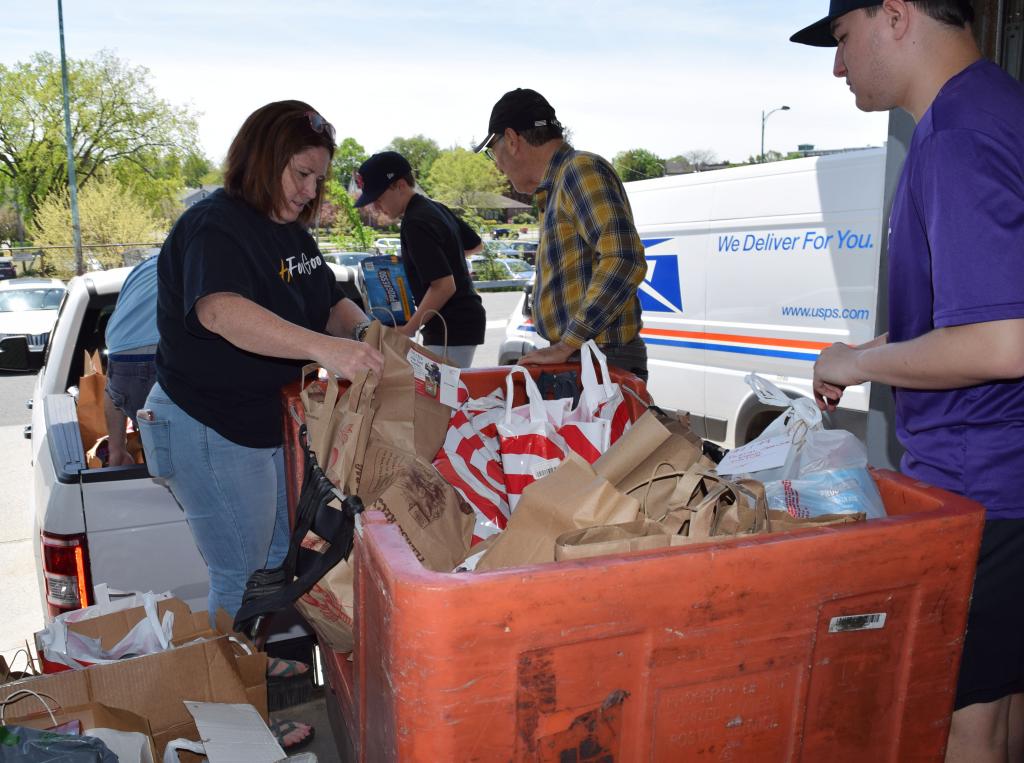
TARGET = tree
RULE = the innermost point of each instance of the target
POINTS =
(700, 157)
(769, 156)
(347, 157)
(638, 164)
(110, 213)
(348, 225)
(457, 175)
(117, 123)
(420, 150)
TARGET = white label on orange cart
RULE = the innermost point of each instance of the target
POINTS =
(845, 623)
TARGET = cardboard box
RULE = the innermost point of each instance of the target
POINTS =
(188, 627)
(156, 685)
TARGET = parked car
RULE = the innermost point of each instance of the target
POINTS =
(351, 259)
(28, 308)
(388, 245)
(504, 233)
(7, 269)
(526, 250)
(484, 268)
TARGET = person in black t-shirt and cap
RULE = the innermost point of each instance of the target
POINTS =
(435, 244)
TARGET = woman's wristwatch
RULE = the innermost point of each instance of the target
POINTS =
(360, 330)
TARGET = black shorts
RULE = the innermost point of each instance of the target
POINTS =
(993, 660)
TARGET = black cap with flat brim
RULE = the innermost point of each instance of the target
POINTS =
(819, 34)
(377, 173)
(520, 109)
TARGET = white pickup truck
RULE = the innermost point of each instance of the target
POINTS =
(113, 525)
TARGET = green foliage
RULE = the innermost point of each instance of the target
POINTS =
(349, 231)
(420, 150)
(457, 175)
(109, 213)
(118, 123)
(524, 218)
(638, 164)
(347, 157)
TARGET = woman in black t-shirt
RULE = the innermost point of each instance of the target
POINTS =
(245, 299)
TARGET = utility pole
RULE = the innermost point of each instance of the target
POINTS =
(764, 118)
(76, 228)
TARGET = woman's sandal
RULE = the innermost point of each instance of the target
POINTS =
(280, 668)
(286, 733)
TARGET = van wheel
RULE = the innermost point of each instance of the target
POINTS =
(758, 424)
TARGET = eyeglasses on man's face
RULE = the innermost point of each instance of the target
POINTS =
(320, 125)
(489, 151)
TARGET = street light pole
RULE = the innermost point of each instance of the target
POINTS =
(764, 118)
(76, 228)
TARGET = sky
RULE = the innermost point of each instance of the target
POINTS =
(669, 77)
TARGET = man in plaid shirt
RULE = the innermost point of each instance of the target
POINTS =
(590, 261)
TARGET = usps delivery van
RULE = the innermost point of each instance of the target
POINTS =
(754, 268)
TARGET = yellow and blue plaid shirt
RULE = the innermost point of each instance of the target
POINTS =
(590, 261)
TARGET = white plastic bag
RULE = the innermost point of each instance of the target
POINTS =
(825, 471)
(600, 400)
(150, 635)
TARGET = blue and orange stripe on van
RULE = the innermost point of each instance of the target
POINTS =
(772, 347)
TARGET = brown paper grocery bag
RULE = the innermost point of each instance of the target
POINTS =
(405, 419)
(572, 497)
(329, 605)
(352, 424)
(630, 461)
(639, 535)
(91, 389)
(435, 520)
(320, 406)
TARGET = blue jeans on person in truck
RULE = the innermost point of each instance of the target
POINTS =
(234, 497)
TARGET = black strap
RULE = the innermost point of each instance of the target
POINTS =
(270, 590)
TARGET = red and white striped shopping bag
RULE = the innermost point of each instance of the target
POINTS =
(470, 461)
(535, 438)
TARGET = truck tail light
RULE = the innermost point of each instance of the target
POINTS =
(66, 572)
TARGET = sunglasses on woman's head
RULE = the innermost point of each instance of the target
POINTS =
(320, 125)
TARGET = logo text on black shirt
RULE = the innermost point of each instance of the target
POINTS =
(301, 265)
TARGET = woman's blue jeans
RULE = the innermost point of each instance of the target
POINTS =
(234, 497)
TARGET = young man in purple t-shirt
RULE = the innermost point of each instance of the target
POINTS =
(954, 352)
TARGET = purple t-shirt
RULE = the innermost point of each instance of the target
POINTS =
(956, 256)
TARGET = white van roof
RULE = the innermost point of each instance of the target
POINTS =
(834, 183)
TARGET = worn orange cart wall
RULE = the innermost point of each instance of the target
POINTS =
(829, 644)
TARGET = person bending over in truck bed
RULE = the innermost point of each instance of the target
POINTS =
(131, 338)
(245, 299)
(954, 352)
(590, 260)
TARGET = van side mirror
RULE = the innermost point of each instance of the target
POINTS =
(14, 353)
(528, 300)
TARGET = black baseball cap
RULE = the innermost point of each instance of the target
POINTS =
(819, 34)
(377, 173)
(520, 109)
